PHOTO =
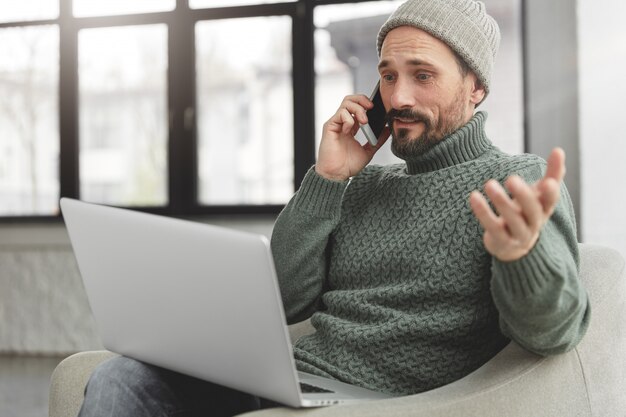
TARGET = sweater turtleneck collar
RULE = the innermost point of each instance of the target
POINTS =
(463, 145)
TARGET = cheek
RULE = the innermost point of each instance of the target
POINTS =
(446, 99)
(432, 100)
(430, 95)
(445, 91)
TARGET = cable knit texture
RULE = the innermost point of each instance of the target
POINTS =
(402, 293)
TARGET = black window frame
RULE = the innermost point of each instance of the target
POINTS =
(181, 95)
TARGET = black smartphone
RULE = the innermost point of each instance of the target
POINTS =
(375, 118)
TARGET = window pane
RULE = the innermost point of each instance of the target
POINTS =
(29, 133)
(200, 4)
(245, 104)
(83, 8)
(123, 115)
(25, 10)
(346, 59)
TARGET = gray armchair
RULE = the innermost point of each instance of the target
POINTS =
(588, 381)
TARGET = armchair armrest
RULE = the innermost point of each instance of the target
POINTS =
(513, 383)
(68, 381)
(514, 373)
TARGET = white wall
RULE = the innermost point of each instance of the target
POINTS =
(602, 106)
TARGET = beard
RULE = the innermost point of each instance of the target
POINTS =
(450, 119)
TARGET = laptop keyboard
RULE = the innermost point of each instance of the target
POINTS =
(312, 389)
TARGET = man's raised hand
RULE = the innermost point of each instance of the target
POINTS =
(513, 229)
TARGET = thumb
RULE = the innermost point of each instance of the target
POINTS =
(384, 135)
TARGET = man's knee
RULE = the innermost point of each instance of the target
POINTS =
(124, 371)
(122, 386)
(126, 387)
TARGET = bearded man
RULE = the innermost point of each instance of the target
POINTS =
(410, 276)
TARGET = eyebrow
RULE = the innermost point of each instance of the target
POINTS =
(411, 62)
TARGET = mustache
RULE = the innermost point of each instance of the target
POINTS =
(406, 114)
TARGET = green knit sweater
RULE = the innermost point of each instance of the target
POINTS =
(392, 269)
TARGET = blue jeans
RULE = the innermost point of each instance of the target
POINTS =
(126, 387)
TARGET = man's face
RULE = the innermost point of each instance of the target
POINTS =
(425, 95)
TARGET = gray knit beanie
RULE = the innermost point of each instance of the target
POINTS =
(463, 25)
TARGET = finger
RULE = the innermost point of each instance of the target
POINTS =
(509, 210)
(372, 149)
(360, 99)
(355, 128)
(549, 194)
(490, 222)
(347, 121)
(335, 122)
(357, 106)
(528, 200)
(556, 165)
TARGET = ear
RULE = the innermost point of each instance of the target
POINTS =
(478, 92)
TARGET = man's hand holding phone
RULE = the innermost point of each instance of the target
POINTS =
(340, 155)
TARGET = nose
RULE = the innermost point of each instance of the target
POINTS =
(402, 96)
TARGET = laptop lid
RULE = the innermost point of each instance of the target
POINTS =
(195, 298)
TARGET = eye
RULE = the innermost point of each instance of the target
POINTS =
(423, 76)
(387, 78)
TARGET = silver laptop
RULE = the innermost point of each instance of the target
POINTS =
(198, 299)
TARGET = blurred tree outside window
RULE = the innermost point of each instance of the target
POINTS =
(245, 111)
(29, 134)
(231, 84)
(199, 4)
(84, 8)
(123, 115)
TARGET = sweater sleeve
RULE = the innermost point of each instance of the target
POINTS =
(299, 242)
(542, 304)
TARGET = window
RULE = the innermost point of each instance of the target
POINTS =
(198, 4)
(122, 74)
(29, 10)
(29, 134)
(185, 107)
(245, 108)
(83, 8)
(346, 59)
